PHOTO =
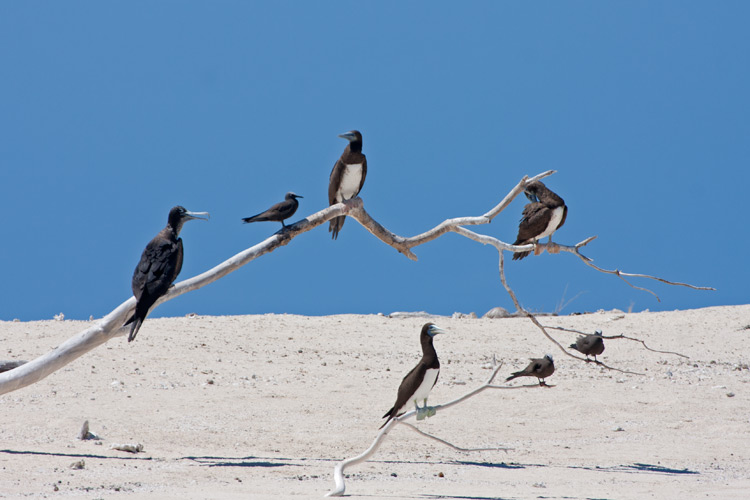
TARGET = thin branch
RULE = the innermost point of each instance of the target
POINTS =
(621, 336)
(338, 471)
(443, 441)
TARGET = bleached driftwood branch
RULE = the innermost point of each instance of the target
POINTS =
(110, 326)
(620, 336)
(338, 471)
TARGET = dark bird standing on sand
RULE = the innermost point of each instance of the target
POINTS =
(540, 368)
(543, 216)
(589, 345)
(347, 177)
(278, 212)
(160, 264)
(418, 383)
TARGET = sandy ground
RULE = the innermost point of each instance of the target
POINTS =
(264, 406)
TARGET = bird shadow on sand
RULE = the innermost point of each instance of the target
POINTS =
(71, 455)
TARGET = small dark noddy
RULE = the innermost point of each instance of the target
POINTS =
(347, 177)
(418, 383)
(278, 212)
(160, 264)
(543, 216)
(540, 368)
(589, 345)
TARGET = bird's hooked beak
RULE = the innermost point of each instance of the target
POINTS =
(531, 196)
(349, 136)
(196, 215)
(435, 330)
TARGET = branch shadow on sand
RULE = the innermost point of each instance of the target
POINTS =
(72, 455)
(635, 468)
(248, 461)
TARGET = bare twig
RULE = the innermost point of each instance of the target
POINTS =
(338, 471)
(621, 336)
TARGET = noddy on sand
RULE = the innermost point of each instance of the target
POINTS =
(280, 211)
(160, 264)
(540, 368)
(418, 383)
(589, 345)
(347, 177)
(543, 216)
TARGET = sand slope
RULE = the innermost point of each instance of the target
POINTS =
(264, 406)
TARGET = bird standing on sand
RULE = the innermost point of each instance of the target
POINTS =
(347, 177)
(418, 383)
(279, 212)
(589, 345)
(543, 216)
(540, 368)
(159, 266)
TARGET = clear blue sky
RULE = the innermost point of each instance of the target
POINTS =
(113, 112)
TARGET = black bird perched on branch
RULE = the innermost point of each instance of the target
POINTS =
(543, 216)
(540, 368)
(278, 212)
(160, 264)
(589, 345)
(418, 383)
(347, 177)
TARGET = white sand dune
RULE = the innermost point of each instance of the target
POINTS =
(264, 406)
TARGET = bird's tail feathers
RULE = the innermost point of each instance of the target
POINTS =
(520, 255)
(573, 346)
(335, 226)
(137, 322)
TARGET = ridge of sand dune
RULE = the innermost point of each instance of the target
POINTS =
(263, 406)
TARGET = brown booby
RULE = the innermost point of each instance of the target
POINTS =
(540, 368)
(418, 383)
(159, 266)
(589, 345)
(278, 212)
(347, 177)
(543, 216)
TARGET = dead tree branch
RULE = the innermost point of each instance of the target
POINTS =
(621, 336)
(338, 471)
(110, 326)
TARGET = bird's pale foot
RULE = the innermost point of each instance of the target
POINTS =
(421, 413)
(430, 411)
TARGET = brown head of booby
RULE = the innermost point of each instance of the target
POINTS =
(347, 177)
(590, 345)
(161, 262)
(278, 212)
(541, 218)
(418, 383)
(540, 368)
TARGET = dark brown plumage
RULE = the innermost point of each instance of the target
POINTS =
(542, 217)
(347, 177)
(159, 266)
(540, 368)
(278, 212)
(417, 384)
(589, 345)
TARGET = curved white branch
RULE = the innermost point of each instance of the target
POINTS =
(338, 470)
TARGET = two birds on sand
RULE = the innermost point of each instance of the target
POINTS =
(417, 384)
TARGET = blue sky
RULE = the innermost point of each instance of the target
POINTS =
(113, 112)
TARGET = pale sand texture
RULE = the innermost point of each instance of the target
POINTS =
(264, 406)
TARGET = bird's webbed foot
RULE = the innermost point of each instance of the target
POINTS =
(430, 411)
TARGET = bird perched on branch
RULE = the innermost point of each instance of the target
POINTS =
(159, 266)
(540, 368)
(418, 383)
(589, 345)
(347, 177)
(543, 216)
(278, 212)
